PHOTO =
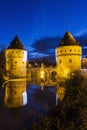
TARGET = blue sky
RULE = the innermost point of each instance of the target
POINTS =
(36, 20)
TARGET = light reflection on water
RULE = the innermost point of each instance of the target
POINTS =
(23, 103)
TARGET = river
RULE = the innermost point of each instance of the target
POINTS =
(22, 103)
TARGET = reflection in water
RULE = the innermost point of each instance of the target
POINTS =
(14, 115)
(60, 92)
(15, 94)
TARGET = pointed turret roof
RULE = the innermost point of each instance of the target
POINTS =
(16, 44)
(68, 39)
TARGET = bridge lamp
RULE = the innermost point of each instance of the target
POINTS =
(42, 74)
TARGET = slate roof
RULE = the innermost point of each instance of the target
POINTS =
(16, 44)
(68, 39)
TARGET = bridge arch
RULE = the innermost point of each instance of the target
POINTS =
(53, 76)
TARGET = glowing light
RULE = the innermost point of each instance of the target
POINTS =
(42, 74)
(25, 57)
(61, 93)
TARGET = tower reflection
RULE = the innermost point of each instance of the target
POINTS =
(60, 92)
(15, 94)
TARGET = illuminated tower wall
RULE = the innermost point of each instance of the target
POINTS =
(68, 55)
(16, 58)
(15, 94)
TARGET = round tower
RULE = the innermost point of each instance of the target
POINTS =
(68, 55)
(16, 58)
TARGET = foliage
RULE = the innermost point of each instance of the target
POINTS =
(71, 112)
(2, 64)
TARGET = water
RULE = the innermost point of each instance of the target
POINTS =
(21, 104)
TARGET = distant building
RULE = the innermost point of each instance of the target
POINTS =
(68, 55)
(16, 58)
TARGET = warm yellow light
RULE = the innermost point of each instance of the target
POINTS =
(25, 57)
(42, 74)
(61, 93)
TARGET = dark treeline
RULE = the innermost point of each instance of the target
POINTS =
(71, 112)
(2, 63)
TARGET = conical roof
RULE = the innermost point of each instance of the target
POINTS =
(16, 44)
(68, 39)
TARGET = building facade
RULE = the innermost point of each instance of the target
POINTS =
(16, 58)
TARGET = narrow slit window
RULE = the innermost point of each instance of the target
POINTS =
(60, 61)
(70, 60)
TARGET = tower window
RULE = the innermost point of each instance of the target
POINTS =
(60, 61)
(65, 50)
(15, 62)
(61, 51)
(70, 60)
(70, 50)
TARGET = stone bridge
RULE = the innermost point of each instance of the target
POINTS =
(42, 74)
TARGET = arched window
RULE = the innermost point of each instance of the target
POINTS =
(53, 76)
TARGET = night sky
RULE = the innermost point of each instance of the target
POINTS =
(40, 24)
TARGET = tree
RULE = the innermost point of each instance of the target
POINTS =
(71, 111)
(2, 63)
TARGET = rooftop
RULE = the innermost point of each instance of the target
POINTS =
(68, 39)
(16, 44)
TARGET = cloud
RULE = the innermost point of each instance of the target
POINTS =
(45, 48)
(84, 47)
(37, 55)
(82, 39)
(46, 45)
(81, 33)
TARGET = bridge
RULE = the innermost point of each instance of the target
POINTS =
(44, 74)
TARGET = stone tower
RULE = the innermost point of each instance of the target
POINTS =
(16, 58)
(68, 55)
